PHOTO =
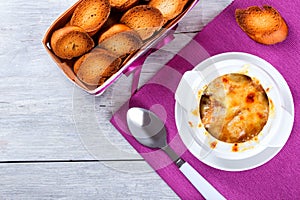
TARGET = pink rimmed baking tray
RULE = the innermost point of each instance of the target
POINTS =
(128, 64)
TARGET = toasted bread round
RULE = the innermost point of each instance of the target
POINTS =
(70, 41)
(264, 25)
(123, 5)
(169, 8)
(144, 19)
(120, 40)
(95, 67)
(91, 15)
(116, 28)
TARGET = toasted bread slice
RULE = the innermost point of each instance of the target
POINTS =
(169, 8)
(71, 41)
(91, 15)
(144, 19)
(120, 40)
(264, 25)
(95, 67)
(123, 5)
(116, 28)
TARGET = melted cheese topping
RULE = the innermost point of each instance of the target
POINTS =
(234, 108)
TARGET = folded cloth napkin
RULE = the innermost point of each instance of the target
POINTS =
(278, 178)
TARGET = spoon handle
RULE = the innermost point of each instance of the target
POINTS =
(202, 185)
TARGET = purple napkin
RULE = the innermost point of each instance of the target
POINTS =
(277, 179)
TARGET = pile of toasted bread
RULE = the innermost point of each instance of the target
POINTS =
(102, 33)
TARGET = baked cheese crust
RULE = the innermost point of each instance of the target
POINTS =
(234, 108)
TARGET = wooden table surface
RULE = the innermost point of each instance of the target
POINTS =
(56, 141)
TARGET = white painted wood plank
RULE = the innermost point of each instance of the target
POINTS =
(201, 14)
(93, 180)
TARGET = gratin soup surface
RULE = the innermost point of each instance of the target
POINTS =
(234, 108)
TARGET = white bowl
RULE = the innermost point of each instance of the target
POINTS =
(281, 108)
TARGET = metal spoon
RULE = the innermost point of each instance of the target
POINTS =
(150, 131)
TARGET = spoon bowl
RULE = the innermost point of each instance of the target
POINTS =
(147, 129)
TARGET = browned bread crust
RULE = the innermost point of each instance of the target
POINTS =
(116, 28)
(91, 15)
(120, 40)
(264, 25)
(95, 67)
(169, 8)
(70, 41)
(123, 5)
(144, 19)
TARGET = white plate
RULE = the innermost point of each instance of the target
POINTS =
(187, 98)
